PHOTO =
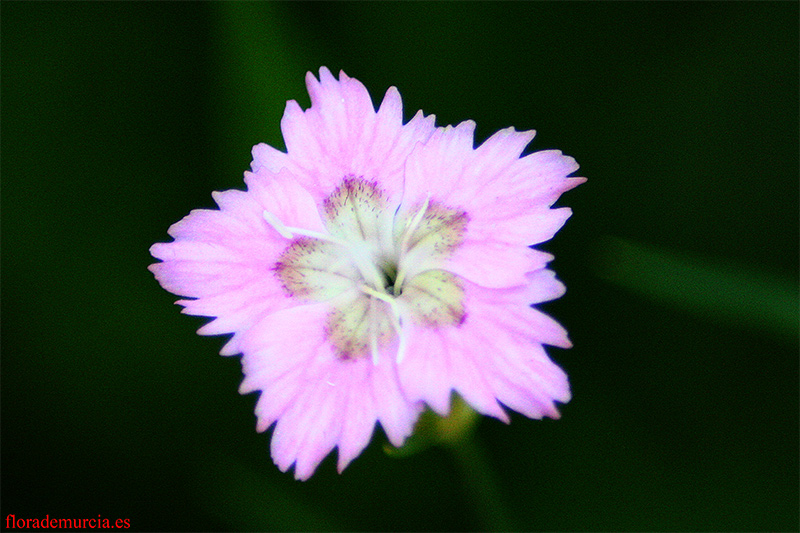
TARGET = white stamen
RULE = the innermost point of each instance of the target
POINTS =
(398, 282)
(411, 227)
(381, 296)
(289, 231)
(413, 224)
(396, 320)
(373, 333)
(273, 221)
(362, 258)
(359, 253)
(401, 348)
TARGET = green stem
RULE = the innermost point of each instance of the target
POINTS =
(482, 485)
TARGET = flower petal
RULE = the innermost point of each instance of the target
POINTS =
(495, 264)
(318, 399)
(496, 354)
(507, 199)
(341, 135)
(224, 258)
(284, 197)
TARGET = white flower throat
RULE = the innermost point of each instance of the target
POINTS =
(371, 266)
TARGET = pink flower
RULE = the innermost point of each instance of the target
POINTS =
(375, 268)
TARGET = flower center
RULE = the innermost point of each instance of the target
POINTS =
(371, 264)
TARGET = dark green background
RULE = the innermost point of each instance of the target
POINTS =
(681, 258)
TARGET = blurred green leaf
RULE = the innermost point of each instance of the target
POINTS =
(710, 289)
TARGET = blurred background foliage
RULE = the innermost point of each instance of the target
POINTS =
(681, 258)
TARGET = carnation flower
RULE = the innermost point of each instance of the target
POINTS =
(376, 267)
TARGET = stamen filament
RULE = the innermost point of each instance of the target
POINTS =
(289, 231)
(273, 221)
(396, 321)
(381, 296)
(412, 226)
(373, 333)
(398, 282)
(401, 347)
(360, 258)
